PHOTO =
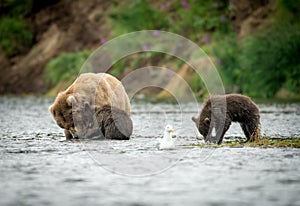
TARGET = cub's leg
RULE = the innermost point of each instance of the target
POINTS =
(246, 131)
(253, 129)
(222, 130)
(250, 130)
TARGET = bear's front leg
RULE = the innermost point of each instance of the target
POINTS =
(68, 134)
(222, 128)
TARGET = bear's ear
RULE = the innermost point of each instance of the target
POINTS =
(51, 109)
(71, 100)
(206, 120)
(194, 119)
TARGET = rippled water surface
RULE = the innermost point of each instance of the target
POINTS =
(38, 167)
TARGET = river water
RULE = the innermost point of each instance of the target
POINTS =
(38, 167)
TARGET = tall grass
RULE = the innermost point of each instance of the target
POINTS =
(65, 67)
(263, 63)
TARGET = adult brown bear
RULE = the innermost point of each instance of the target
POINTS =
(95, 89)
(219, 111)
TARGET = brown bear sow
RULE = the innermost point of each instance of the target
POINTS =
(219, 111)
(96, 90)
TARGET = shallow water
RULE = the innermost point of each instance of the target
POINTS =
(38, 167)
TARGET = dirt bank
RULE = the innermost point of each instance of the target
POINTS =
(62, 26)
(68, 26)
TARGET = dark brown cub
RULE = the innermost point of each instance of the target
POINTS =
(219, 111)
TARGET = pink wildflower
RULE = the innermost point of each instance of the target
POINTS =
(155, 33)
(163, 6)
(206, 39)
(223, 17)
(184, 4)
(215, 5)
(145, 47)
(102, 40)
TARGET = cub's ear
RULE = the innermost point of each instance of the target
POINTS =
(206, 120)
(71, 100)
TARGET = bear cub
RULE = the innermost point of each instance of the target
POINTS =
(220, 110)
(105, 122)
(113, 123)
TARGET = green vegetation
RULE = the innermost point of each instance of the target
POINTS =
(275, 57)
(16, 8)
(143, 59)
(263, 63)
(65, 67)
(264, 143)
(135, 16)
(197, 20)
(258, 65)
(192, 19)
(15, 36)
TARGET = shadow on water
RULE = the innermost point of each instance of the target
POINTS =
(39, 167)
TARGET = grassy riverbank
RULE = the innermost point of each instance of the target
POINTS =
(264, 143)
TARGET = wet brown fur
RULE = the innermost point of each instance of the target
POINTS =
(114, 123)
(219, 111)
(96, 90)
